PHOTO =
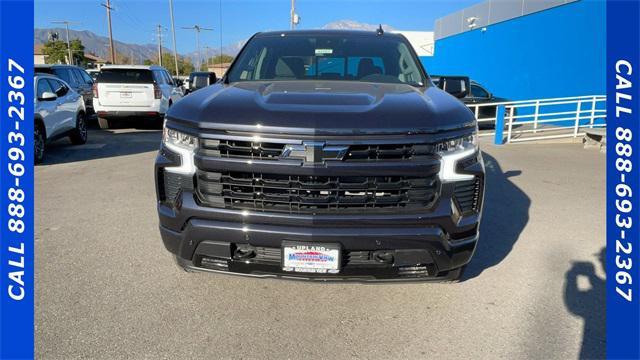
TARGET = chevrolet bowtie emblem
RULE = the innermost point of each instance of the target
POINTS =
(315, 152)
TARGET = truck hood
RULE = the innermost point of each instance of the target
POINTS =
(321, 107)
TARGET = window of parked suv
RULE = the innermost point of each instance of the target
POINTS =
(59, 88)
(478, 92)
(126, 76)
(382, 59)
(159, 77)
(82, 76)
(64, 74)
(43, 87)
(200, 81)
(167, 78)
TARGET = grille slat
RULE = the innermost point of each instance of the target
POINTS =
(257, 150)
(467, 195)
(313, 194)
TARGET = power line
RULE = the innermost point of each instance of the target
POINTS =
(66, 24)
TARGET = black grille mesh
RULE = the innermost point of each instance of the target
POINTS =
(258, 150)
(313, 194)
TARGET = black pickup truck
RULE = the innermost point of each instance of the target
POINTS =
(324, 155)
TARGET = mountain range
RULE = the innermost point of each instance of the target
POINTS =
(99, 45)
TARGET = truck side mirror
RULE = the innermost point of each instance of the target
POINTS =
(212, 78)
(457, 86)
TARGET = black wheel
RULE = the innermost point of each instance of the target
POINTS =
(79, 134)
(38, 143)
(104, 123)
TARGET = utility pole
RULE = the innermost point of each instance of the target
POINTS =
(197, 29)
(160, 45)
(66, 24)
(207, 52)
(293, 13)
(113, 51)
(295, 18)
(173, 34)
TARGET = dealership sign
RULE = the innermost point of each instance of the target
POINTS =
(623, 180)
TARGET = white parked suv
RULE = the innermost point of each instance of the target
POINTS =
(59, 111)
(124, 91)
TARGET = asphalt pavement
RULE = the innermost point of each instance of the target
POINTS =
(107, 289)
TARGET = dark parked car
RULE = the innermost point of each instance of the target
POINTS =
(200, 79)
(478, 94)
(322, 155)
(76, 77)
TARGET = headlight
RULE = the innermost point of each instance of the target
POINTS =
(461, 143)
(182, 144)
(174, 137)
(453, 150)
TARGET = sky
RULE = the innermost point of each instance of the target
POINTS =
(135, 21)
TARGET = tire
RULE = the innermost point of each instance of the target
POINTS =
(39, 141)
(79, 134)
(104, 123)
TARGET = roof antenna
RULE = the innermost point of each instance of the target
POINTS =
(380, 31)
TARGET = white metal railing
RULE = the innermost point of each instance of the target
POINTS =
(540, 119)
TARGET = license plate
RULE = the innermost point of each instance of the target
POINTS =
(311, 258)
(125, 94)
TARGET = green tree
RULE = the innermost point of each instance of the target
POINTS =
(185, 67)
(221, 59)
(57, 52)
(77, 52)
(218, 59)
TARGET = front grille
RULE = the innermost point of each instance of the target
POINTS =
(241, 149)
(314, 194)
(467, 195)
(259, 150)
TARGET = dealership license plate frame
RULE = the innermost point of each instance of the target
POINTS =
(297, 266)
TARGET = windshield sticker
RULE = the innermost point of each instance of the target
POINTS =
(324, 52)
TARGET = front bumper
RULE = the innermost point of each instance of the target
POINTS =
(423, 246)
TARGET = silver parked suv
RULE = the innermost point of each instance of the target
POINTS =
(59, 112)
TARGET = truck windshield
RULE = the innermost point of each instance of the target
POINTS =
(328, 57)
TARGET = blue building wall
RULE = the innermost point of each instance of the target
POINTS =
(557, 52)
